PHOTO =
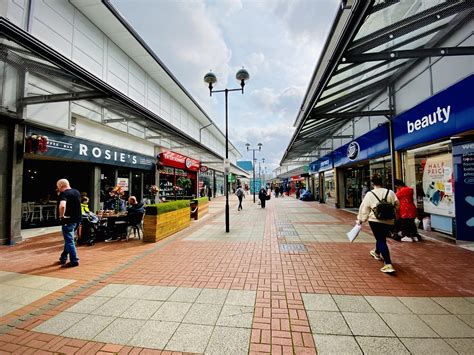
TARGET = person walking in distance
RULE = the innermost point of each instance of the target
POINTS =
(240, 195)
(262, 195)
(70, 216)
(379, 207)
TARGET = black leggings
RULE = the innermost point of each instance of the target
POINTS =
(381, 231)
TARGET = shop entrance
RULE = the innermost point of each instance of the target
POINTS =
(354, 181)
(39, 198)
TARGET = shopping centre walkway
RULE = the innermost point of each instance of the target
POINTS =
(284, 280)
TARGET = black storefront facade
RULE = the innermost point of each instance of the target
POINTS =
(92, 168)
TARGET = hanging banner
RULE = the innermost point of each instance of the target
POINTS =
(463, 154)
(438, 185)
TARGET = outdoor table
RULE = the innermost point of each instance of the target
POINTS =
(111, 221)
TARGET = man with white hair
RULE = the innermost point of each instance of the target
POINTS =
(70, 216)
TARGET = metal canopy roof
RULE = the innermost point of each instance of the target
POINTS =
(370, 44)
(22, 51)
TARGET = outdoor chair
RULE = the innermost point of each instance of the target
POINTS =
(136, 225)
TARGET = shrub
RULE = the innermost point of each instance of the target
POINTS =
(160, 208)
(201, 199)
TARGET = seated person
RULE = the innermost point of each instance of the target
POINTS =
(109, 205)
(135, 211)
(84, 205)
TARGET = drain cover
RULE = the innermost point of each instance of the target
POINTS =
(293, 247)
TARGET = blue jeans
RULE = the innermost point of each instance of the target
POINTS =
(69, 246)
(381, 231)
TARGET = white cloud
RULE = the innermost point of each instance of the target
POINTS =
(278, 42)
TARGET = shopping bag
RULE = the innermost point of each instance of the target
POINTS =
(354, 232)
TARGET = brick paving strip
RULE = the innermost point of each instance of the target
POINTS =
(309, 285)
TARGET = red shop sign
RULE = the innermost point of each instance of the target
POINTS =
(203, 169)
(179, 161)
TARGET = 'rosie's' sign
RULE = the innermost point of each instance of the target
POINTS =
(72, 148)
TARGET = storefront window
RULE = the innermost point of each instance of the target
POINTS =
(123, 179)
(429, 171)
(219, 183)
(136, 189)
(383, 168)
(329, 187)
(107, 182)
(148, 182)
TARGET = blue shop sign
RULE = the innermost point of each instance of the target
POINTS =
(373, 144)
(72, 148)
(445, 114)
(463, 161)
(322, 164)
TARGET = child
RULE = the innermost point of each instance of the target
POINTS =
(84, 204)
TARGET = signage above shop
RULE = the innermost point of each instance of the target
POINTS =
(371, 145)
(443, 115)
(353, 150)
(203, 169)
(179, 161)
(72, 148)
(322, 164)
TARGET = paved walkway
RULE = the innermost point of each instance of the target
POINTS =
(284, 280)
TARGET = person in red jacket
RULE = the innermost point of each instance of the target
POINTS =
(407, 212)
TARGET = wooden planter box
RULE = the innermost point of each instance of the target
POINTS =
(203, 208)
(164, 225)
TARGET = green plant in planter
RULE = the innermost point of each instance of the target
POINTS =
(201, 199)
(160, 208)
(184, 182)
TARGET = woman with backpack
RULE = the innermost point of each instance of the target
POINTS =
(379, 208)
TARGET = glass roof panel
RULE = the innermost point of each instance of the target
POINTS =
(393, 14)
(412, 34)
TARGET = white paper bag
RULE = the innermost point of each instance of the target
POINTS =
(354, 232)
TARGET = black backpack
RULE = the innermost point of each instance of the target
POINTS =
(384, 209)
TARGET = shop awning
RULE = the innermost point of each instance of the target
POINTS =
(27, 54)
(371, 44)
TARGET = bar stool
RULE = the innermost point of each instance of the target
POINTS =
(34, 211)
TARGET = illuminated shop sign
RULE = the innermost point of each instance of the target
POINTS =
(179, 161)
(441, 116)
(72, 148)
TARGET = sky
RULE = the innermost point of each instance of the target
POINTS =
(277, 41)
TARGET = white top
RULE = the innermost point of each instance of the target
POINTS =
(370, 202)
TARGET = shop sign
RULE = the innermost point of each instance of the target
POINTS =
(72, 148)
(438, 185)
(322, 164)
(353, 150)
(179, 161)
(203, 169)
(257, 183)
(231, 178)
(371, 145)
(463, 155)
(442, 115)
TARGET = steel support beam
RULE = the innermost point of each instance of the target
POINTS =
(412, 53)
(73, 96)
(124, 119)
(350, 114)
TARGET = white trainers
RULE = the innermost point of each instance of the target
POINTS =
(388, 269)
(375, 255)
(406, 239)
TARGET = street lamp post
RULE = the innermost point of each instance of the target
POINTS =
(253, 163)
(242, 75)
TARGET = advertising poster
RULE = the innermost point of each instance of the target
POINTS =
(438, 185)
(464, 185)
(123, 182)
